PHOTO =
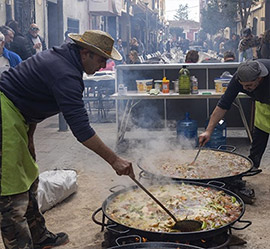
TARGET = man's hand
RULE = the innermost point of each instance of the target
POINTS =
(37, 46)
(204, 138)
(123, 167)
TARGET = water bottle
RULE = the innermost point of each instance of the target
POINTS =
(194, 85)
(218, 136)
(188, 129)
(184, 80)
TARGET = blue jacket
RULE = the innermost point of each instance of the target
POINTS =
(12, 57)
(47, 83)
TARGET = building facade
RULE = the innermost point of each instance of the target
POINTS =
(121, 18)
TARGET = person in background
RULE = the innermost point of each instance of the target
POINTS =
(31, 92)
(247, 46)
(7, 58)
(161, 47)
(133, 57)
(36, 42)
(134, 45)
(142, 50)
(67, 39)
(229, 56)
(232, 45)
(265, 45)
(120, 49)
(9, 35)
(168, 46)
(251, 78)
(19, 45)
(192, 56)
(184, 45)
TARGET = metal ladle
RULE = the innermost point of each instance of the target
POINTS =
(181, 225)
(200, 147)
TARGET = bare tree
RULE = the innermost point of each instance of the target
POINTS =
(244, 8)
(182, 12)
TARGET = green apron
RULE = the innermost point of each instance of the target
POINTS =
(19, 169)
(262, 116)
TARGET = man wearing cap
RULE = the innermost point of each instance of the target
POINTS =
(251, 78)
(47, 83)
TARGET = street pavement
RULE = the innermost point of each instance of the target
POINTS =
(60, 150)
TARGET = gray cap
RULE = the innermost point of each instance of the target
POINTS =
(250, 70)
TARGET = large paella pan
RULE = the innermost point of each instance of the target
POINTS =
(217, 209)
(211, 164)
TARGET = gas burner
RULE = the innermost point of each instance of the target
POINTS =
(239, 187)
(224, 240)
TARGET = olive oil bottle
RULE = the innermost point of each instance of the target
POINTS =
(184, 80)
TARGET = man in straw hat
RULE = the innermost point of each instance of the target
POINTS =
(42, 86)
(251, 78)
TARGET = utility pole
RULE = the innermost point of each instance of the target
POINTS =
(146, 27)
(129, 26)
(267, 14)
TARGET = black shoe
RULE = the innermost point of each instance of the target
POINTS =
(53, 240)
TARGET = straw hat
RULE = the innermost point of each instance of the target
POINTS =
(98, 42)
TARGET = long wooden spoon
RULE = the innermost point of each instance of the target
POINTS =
(181, 225)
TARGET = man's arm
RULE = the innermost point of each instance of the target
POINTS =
(120, 165)
(31, 147)
(216, 116)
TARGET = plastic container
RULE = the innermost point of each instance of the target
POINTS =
(144, 85)
(165, 85)
(158, 84)
(176, 86)
(219, 135)
(122, 90)
(149, 85)
(188, 128)
(184, 80)
(221, 85)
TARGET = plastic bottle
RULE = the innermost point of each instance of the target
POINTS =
(184, 80)
(194, 85)
(165, 85)
(218, 136)
(188, 129)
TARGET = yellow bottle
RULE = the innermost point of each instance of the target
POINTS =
(165, 85)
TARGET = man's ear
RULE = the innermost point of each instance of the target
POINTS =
(84, 54)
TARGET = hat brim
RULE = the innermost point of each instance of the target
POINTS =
(115, 55)
(264, 70)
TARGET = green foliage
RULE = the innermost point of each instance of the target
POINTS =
(220, 14)
(210, 22)
(182, 12)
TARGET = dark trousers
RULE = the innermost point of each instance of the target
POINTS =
(260, 139)
(22, 225)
